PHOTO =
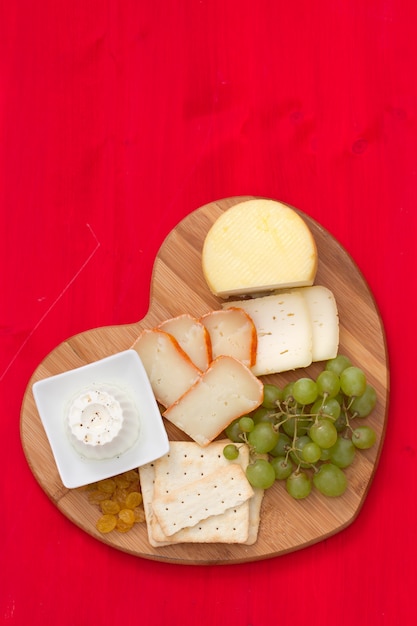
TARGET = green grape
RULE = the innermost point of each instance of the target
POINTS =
(305, 391)
(330, 480)
(297, 452)
(263, 437)
(295, 425)
(326, 407)
(272, 396)
(282, 446)
(263, 415)
(328, 384)
(341, 423)
(364, 405)
(246, 424)
(353, 381)
(287, 392)
(283, 467)
(298, 485)
(342, 453)
(234, 432)
(230, 452)
(325, 454)
(363, 437)
(338, 364)
(311, 452)
(323, 433)
(260, 474)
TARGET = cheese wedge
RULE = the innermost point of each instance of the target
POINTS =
(225, 391)
(232, 333)
(170, 371)
(283, 325)
(258, 246)
(192, 336)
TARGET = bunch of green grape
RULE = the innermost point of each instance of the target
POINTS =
(307, 433)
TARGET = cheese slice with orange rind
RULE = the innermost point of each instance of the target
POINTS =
(170, 370)
(192, 336)
(232, 333)
(226, 390)
(258, 246)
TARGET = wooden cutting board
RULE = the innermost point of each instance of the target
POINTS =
(178, 286)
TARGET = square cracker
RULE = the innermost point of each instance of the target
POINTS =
(187, 459)
(205, 497)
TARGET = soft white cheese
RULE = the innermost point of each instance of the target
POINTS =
(95, 417)
(102, 422)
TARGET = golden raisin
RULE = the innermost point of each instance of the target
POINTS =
(110, 506)
(139, 514)
(132, 475)
(133, 499)
(121, 481)
(108, 485)
(106, 523)
(123, 527)
(95, 497)
(127, 516)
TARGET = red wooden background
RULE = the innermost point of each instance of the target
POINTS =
(118, 118)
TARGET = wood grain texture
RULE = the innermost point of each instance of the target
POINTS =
(178, 286)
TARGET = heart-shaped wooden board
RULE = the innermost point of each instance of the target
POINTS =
(178, 286)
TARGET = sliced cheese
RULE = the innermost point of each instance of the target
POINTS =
(324, 318)
(232, 333)
(170, 371)
(192, 336)
(258, 246)
(285, 339)
(225, 391)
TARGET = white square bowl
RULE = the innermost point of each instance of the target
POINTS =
(124, 370)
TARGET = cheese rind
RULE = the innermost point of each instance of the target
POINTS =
(258, 246)
(226, 390)
(232, 333)
(170, 370)
(285, 339)
(192, 337)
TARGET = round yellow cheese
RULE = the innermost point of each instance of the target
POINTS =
(257, 246)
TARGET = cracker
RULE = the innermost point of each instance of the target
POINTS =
(147, 479)
(185, 462)
(255, 504)
(213, 494)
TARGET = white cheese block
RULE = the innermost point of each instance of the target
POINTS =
(324, 318)
(295, 328)
(225, 391)
(285, 337)
(258, 246)
(170, 370)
